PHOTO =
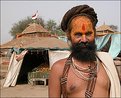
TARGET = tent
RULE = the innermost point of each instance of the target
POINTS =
(21, 64)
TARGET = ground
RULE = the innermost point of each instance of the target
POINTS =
(21, 90)
(25, 90)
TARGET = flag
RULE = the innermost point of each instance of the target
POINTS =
(35, 15)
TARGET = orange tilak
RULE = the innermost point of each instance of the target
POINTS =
(83, 27)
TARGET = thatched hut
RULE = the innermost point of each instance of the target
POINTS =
(103, 30)
(38, 42)
(35, 36)
(34, 30)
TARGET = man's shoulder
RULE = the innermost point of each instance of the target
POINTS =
(61, 61)
(59, 64)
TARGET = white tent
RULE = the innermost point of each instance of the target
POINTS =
(57, 55)
(14, 69)
(17, 60)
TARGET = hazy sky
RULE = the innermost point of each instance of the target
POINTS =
(14, 11)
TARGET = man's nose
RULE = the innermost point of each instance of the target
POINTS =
(83, 39)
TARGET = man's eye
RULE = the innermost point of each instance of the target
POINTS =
(78, 34)
(88, 33)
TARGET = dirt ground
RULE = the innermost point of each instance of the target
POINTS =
(21, 90)
(24, 90)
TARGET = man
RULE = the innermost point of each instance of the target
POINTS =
(85, 73)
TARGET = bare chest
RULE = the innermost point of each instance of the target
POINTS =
(77, 86)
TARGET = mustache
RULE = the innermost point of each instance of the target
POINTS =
(87, 45)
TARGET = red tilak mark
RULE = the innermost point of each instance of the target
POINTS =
(83, 27)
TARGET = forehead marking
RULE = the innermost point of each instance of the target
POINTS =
(83, 27)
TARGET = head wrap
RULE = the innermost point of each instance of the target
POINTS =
(80, 10)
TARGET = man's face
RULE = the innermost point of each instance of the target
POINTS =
(81, 30)
(82, 39)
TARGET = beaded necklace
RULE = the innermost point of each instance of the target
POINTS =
(85, 73)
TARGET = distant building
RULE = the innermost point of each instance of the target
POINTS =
(103, 30)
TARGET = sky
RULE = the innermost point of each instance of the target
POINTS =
(12, 12)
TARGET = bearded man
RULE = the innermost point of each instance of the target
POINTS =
(85, 73)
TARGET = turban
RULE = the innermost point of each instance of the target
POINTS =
(80, 10)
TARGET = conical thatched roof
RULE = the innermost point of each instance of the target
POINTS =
(36, 42)
(103, 28)
(19, 42)
(33, 28)
(48, 42)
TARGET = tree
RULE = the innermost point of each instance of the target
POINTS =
(54, 28)
(59, 31)
(51, 26)
(21, 25)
